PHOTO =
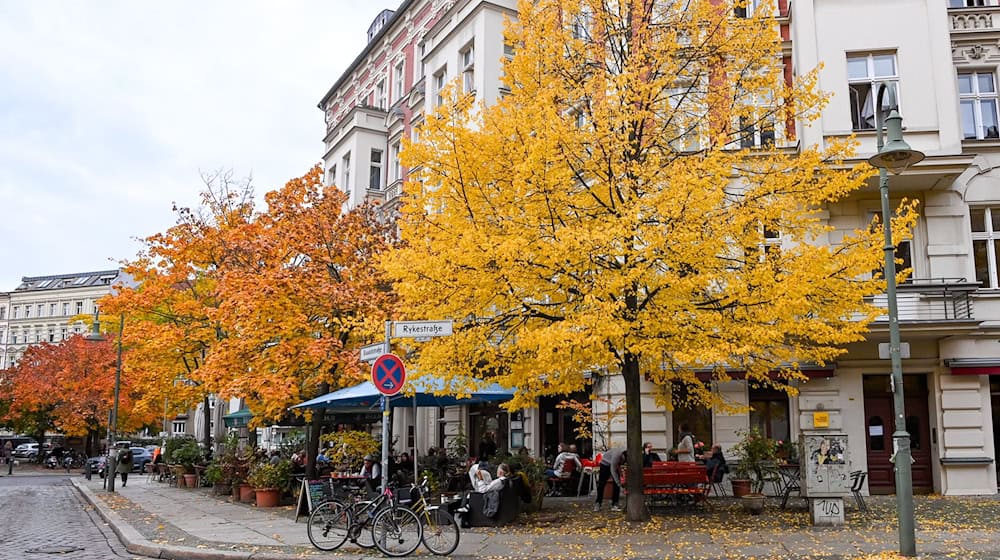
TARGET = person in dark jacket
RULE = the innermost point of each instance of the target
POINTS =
(610, 469)
(715, 463)
(648, 455)
(124, 460)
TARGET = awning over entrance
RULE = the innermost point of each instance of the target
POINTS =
(366, 396)
(238, 419)
(974, 366)
(818, 373)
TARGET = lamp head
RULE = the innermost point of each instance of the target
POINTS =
(896, 155)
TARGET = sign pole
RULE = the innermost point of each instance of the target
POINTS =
(385, 416)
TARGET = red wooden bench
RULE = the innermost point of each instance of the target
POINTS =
(682, 483)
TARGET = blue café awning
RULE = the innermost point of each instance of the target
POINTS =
(365, 396)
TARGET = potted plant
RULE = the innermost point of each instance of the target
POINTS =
(187, 455)
(755, 452)
(268, 479)
(531, 472)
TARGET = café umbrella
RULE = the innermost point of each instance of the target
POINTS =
(426, 391)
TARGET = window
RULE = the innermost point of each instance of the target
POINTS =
(697, 417)
(52, 309)
(971, 3)
(178, 426)
(904, 254)
(397, 80)
(864, 73)
(397, 170)
(977, 94)
(380, 94)
(331, 175)
(418, 70)
(769, 413)
(748, 9)
(986, 245)
(79, 307)
(756, 133)
(346, 170)
(440, 77)
(468, 59)
(375, 171)
(3, 313)
(41, 309)
(65, 308)
(17, 312)
(582, 24)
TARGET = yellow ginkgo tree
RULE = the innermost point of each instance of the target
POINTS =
(617, 211)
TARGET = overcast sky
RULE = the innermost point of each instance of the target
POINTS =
(110, 111)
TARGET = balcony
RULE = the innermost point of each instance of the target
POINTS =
(393, 191)
(972, 20)
(930, 300)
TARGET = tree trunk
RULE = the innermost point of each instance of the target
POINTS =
(635, 504)
(208, 425)
(312, 435)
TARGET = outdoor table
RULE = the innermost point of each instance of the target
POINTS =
(789, 473)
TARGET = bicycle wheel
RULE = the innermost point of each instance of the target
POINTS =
(328, 525)
(441, 533)
(397, 531)
(361, 530)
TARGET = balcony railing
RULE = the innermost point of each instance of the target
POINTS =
(965, 20)
(931, 300)
(393, 191)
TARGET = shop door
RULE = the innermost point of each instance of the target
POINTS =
(995, 402)
(879, 426)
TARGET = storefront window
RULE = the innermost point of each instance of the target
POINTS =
(769, 413)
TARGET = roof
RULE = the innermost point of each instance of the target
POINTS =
(71, 280)
(393, 21)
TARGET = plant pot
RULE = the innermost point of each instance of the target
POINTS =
(753, 503)
(741, 486)
(246, 493)
(236, 492)
(268, 497)
(190, 480)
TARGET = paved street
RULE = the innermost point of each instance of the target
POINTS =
(42, 515)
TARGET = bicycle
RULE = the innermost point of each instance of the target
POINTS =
(440, 530)
(394, 530)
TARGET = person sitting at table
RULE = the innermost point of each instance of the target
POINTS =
(372, 472)
(479, 474)
(715, 463)
(567, 454)
(648, 455)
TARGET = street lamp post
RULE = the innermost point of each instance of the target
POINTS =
(893, 157)
(113, 423)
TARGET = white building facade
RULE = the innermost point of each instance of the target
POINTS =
(40, 308)
(940, 57)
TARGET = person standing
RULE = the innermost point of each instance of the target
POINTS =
(124, 461)
(8, 456)
(610, 468)
(685, 448)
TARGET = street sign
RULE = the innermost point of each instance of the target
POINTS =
(419, 329)
(388, 374)
(371, 352)
(884, 352)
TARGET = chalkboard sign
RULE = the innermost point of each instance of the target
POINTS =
(311, 494)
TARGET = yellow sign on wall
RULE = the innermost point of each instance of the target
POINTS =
(821, 419)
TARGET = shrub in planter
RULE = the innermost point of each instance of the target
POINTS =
(755, 452)
(187, 454)
(267, 475)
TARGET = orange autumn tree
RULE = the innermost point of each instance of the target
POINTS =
(299, 311)
(616, 211)
(169, 327)
(71, 384)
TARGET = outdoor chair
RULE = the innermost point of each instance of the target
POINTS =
(563, 485)
(718, 481)
(152, 473)
(857, 483)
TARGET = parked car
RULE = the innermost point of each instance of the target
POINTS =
(140, 456)
(26, 451)
(97, 465)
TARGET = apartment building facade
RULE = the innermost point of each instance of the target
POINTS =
(940, 58)
(40, 308)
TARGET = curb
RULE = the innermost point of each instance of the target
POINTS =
(135, 543)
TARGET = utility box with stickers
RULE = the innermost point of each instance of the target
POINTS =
(825, 465)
